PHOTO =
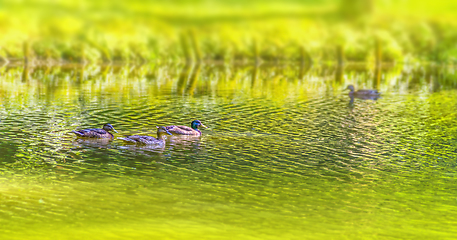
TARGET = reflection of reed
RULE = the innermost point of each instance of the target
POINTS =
(255, 51)
(377, 77)
(255, 72)
(183, 76)
(54, 79)
(304, 68)
(105, 70)
(195, 46)
(305, 57)
(378, 53)
(438, 76)
(3, 60)
(340, 55)
(339, 74)
(25, 73)
(26, 50)
(186, 48)
(79, 77)
(193, 80)
(82, 50)
(47, 70)
(378, 61)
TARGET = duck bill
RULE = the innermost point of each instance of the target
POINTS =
(169, 133)
(115, 130)
(203, 126)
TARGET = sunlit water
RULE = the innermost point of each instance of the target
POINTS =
(287, 154)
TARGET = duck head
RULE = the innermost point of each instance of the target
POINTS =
(108, 127)
(162, 131)
(350, 87)
(196, 124)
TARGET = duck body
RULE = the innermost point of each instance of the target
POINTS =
(185, 130)
(366, 92)
(93, 133)
(96, 132)
(362, 92)
(148, 140)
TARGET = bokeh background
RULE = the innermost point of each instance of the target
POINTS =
(229, 30)
(288, 153)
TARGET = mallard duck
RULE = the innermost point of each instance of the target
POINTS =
(96, 132)
(185, 130)
(160, 140)
(362, 92)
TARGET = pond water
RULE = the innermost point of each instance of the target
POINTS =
(287, 155)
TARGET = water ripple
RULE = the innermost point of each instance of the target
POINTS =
(283, 157)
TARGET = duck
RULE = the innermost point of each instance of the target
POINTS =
(185, 130)
(148, 140)
(362, 92)
(96, 132)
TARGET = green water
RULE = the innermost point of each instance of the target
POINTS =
(287, 154)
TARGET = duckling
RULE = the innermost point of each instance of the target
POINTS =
(184, 130)
(362, 92)
(96, 132)
(148, 140)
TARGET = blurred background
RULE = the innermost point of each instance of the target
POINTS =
(229, 30)
(288, 152)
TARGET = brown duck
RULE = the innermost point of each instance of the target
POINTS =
(96, 132)
(362, 92)
(185, 130)
(148, 140)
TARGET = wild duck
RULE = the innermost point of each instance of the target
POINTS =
(362, 92)
(148, 140)
(96, 132)
(185, 130)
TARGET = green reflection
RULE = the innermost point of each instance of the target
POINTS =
(284, 156)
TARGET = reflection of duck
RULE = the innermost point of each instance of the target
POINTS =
(96, 132)
(364, 97)
(93, 142)
(143, 149)
(148, 140)
(184, 130)
(362, 93)
(184, 141)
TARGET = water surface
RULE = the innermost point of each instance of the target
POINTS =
(288, 154)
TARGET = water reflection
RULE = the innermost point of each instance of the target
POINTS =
(189, 78)
(142, 148)
(362, 97)
(184, 142)
(193, 80)
(284, 157)
(183, 77)
(94, 143)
